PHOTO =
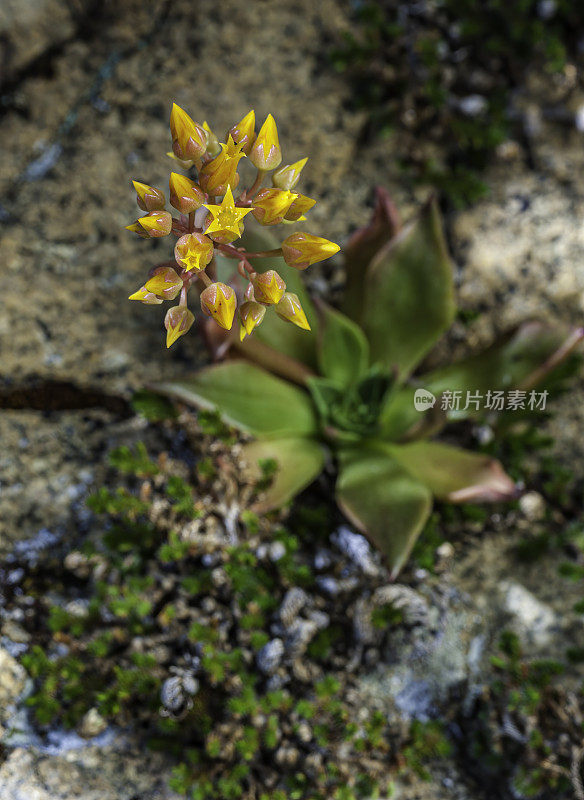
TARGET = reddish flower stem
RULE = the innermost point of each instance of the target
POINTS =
(234, 252)
(243, 198)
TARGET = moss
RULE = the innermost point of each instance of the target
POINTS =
(424, 552)
(386, 616)
(399, 66)
(428, 742)
(521, 694)
(152, 406)
(147, 581)
(320, 648)
(211, 424)
(178, 490)
(133, 461)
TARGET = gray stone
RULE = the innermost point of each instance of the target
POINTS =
(357, 548)
(532, 505)
(12, 682)
(294, 601)
(30, 27)
(270, 656)
(92, 773)
(533, 621)
(277, 551)
(92, 724)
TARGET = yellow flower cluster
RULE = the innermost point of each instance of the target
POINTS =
(210, 218)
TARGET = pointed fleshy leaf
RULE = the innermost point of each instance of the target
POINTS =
(383, 501)
(454, 474)
(287, 339)
(409, 294)
(325, 393)
(343, 350)
(505, 365)
(299, 462)
(249, 398)
(363, 245)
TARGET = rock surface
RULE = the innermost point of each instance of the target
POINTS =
(533, 621)
(112, 773)
(30, 29)
(12, 682)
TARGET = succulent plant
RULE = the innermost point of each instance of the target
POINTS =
(348, 389)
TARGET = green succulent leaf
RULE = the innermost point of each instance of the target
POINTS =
(351, 412)
(299, 462)
(275, 332)
(454, 474)
(384, 501)
(343, 350)
(249, 398)
(363, 245)
(409, 294)
(326, 395)
(506, 365)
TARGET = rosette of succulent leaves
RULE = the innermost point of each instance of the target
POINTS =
(343, 391)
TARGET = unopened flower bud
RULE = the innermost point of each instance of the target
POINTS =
(300, 205)
(288, 176)
(156, 223)
(177, 322)
(218, 301)
(271, 205)
(289, 309)
(300, 250)
(193, 251)
(268, 287)
(250, 316)
(244, 132)
(265, 153)
(220, 173)
(189, 140)
(185, 163)
(146, 297)
(135, 227)
(164, 283)
(213, 146)
(185, 195)
(148, 198)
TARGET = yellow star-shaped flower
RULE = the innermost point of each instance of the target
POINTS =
(191, 260)
(226, 217)
(193, 251)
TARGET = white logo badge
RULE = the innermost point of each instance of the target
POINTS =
(423, 400)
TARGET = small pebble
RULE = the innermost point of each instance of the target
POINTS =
(277, 551)
(270, 656)
(445, 551)
(356, 548)
(92, 724)
(322, 559)
(532, 505)
(304, 732)
(287, 756)
(473, 105)
(294, 601)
